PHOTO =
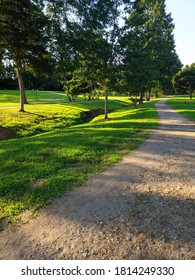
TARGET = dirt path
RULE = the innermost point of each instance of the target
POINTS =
(141, 208)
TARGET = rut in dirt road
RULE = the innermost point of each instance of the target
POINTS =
(141, 208)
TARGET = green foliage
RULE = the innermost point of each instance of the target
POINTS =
(23, 38)
(184, 81)
(90, 48)
(36, 169)
(23, 32)
(73, 85)
(8, 78)
(85, 44)
(147, 41)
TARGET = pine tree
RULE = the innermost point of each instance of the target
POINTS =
(149, 49)
(164, 54)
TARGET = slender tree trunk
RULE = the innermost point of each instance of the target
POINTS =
(191, 92)
(21, 87)
(67, 92)
(25, 100)
(106, 107)
(149, 96)
(69, 97)
(141, 97)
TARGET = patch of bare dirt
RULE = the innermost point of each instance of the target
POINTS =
(141, 208)
(6, 133)
(38, 183)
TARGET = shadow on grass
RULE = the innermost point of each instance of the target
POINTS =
(52, 154)
(127, 197)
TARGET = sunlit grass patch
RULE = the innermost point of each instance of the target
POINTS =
(183, 105)
(39, 118)
(36, 169)
(12, 97)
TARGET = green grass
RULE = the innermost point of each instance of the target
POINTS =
(182, 104)
(12, 97)
(36, 169)
(40, 118)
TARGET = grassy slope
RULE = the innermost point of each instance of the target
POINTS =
(49, 116)
(36, 169)
(183, 105)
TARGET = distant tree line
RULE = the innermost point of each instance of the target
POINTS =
(89, 46)
(9, 80)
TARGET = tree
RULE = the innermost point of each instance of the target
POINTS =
(137, 54)
(184, 80)
(149, 55)
(85, 35)
(167, 62)
(99, 55)
(23, 37)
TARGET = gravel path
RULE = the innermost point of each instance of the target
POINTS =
(141, 208)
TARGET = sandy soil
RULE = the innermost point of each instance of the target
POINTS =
(141, 208)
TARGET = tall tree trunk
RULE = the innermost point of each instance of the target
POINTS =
(191, 92)
(69, 97)
(106, 107)
(25, 100)
(141, 99)
(21, 87)
(149, 96)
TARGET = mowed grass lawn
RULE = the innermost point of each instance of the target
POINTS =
(55, 113)
(36, 169)
(12, 97)
(182, 104)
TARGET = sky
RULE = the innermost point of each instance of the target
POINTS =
(183, 15)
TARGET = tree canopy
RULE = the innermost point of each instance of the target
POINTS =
(184, 80)
(92, 46)
(150, 58)
(23, 37)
